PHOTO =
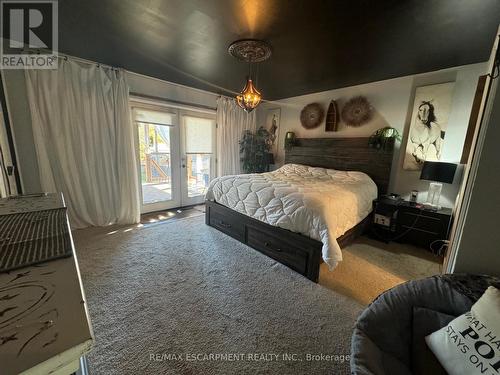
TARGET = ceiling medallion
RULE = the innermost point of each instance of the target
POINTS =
(251, 51)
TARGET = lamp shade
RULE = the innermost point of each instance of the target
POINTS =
(438, 171)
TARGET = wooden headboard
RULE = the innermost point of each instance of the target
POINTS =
(345, 154)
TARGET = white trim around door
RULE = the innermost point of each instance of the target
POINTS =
(198, 155)
(176, 148)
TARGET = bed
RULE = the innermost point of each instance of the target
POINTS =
(305, 211)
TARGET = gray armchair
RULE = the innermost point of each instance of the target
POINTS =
(389, 335)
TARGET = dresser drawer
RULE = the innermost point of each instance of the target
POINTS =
(227, 223)
(285, 252)
(426, 223)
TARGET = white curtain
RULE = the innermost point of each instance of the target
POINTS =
(84, 139)
(232, 121)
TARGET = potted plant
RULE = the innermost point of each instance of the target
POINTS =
(383, 138)
(254, 150)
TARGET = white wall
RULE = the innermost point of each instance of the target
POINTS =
(479, 243)
(155, 87)
(393, 101)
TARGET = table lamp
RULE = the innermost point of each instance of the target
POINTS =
(438, 173)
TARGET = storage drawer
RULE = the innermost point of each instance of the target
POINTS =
(424, 222)
(283, 251)
(419, 237)
(227, 223)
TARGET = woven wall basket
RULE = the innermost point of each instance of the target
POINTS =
(312, 115)
(357, 111)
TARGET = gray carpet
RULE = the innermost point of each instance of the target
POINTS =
(181, 287)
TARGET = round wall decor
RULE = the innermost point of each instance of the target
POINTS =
(357, 111)
(311, 115)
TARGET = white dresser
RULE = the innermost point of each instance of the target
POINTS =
(44, 322)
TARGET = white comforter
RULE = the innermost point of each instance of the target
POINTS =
(320, 203)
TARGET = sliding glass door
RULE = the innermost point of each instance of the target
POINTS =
(176, 149)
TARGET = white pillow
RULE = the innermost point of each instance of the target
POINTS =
(470, 344)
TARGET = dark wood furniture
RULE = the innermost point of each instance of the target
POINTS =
(296, 251)
(474, 114)
(345, 154)
(300, 253)
(412, 224)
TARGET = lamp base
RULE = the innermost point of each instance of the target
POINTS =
(430, 207)
(433, 196)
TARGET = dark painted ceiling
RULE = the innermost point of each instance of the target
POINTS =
(317, 45)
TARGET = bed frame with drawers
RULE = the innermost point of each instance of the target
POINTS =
(301, 253)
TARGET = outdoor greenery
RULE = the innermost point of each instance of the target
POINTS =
(253, 150)
(145, 144)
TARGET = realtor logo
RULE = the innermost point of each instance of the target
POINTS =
(29, 35)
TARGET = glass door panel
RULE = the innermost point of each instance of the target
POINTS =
(156, 171)
(157, 158)
(198, 174)
(176, 150)
(198, 157)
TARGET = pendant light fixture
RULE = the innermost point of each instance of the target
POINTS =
(251, 51)
(250, 97)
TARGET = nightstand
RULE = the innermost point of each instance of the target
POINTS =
(405, 222)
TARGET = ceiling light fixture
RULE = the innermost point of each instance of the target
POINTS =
(251, 51)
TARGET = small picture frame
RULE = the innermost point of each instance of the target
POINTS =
(273, 116)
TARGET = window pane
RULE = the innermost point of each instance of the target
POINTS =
(198, 173)
(198, 135)
(154, 154)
